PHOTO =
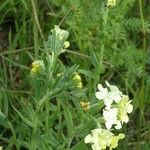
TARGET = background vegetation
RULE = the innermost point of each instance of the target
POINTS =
(105, 44)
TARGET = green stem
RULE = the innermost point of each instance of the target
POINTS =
(36, 27)
(106, 17)
(47, 116)
(141, 102)
(102, 45)
(34, 135)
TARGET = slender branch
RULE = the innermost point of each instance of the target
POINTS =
(65, 16)
(36, 19)
(16, 51)
(88, 57)
(76, 53)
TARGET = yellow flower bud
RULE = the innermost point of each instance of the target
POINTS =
(37, 66)
(85, 105)
(78, 79)
(66, 44)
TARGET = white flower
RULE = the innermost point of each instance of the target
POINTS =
(103, 94)
(117, 106)
(108, 95)
(118, 113)
(114, 93)
(101, 139)
(110, 116)
(118, 125)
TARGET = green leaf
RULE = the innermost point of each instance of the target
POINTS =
(23, 118)
(79, 146)
(68, 118)
(3, 120)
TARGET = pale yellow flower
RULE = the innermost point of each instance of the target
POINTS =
(101, 139)
(124, 108)
(111, 3)
(118, 113)
(115, 140)
(1, 148)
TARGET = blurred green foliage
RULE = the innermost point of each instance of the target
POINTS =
(106, 43)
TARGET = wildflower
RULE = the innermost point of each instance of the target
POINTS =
(37, 66)
(115, 140)
(117, 106)
(110, 116)
(78, 79)
(124, 108)
(118, 113)
(102, 138)
(1, 148)
(85, 105)
(109, 94)
(102, 94)
(114, 93)
(111, 3)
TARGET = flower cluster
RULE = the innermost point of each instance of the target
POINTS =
(115, 113)
(117, 106)
(102, 138)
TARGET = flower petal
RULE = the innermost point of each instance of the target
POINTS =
(125, 118)
(129, 108)
(118, 125)
(88, 139)
(101, 95)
